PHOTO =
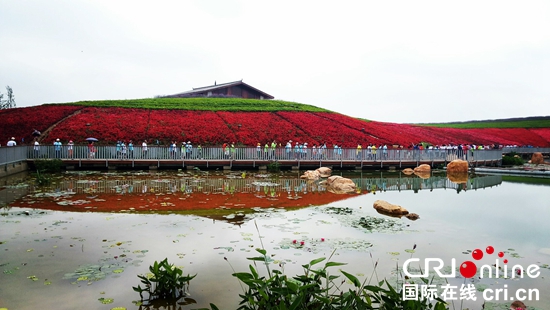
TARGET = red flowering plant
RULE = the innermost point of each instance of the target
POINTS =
(105, 124)
(21, 122)
(251, 128)
(246, 128)
(203, 127)
(543, 133)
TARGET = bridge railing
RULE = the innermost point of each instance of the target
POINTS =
(526, 150)
(12, 154)
(21, 153)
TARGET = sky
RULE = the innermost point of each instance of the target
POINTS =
(392, 61)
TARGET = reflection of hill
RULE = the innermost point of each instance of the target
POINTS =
(192, 203)
(213, 195)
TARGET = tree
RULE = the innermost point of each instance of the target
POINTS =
(10, 101)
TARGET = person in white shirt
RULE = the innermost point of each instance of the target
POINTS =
(144, 149)
(36, 148)
(12, 142)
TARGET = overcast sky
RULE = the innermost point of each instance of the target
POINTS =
(396, 61)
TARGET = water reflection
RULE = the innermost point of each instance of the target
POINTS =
(51, 245)
(216, 196)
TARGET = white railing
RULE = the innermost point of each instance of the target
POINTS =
(82, 152)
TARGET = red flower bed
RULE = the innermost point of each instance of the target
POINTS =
(543, 133)
(105, 124)
(21, 122)
(203, 127)
(322, 129)
(251, 128)
(244, 128)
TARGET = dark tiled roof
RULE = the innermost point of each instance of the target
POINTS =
(223, 85)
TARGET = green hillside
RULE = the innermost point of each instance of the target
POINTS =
(526, 122)
(204, 104)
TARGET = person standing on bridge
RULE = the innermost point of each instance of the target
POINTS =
(12, 142)
(70, 146)
(273, 148)
(233, 150)
(358, 152)
(57, 147)
(144, 149)
(288, 148)
(36, 148)
(130, 149)
(189, 150)
(91, 149)
(183, 148)
(225, 150)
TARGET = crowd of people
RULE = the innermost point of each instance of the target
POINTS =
(272, 150)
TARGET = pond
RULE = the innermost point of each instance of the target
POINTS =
(81, 242)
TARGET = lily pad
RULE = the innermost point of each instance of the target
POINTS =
(106, 301)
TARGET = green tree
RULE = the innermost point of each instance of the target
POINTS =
(10, 101)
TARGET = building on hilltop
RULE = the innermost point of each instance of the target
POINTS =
(237, 89)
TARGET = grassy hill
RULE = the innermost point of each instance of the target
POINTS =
(204, 104)
(525, 122)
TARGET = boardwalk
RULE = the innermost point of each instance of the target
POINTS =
(154, 157)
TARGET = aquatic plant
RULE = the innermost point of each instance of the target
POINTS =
(317, 288)
(166, 281)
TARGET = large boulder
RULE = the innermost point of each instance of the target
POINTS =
(537, 158)
(457, 165)
(423, 168)
(311, 175)
(340, 185)
(325, 172)
(385, 207)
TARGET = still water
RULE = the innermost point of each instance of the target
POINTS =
(84, 240)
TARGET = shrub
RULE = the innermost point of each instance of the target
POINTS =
(48, 165)
(274, 166)
(512, 159)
